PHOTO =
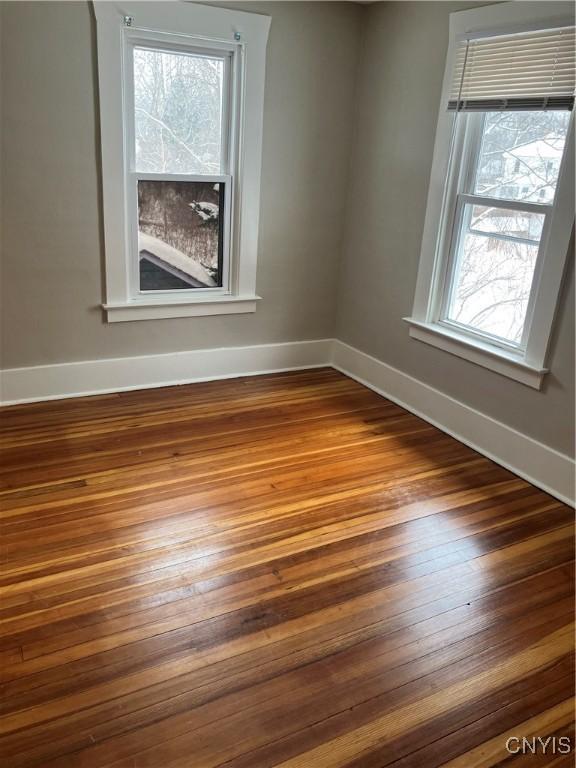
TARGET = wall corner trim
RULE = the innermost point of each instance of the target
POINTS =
(548, 469)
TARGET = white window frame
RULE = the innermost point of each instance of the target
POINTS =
(527, 362)
(238, 37)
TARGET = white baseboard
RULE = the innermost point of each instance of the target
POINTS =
(96, 377)
(537, 463)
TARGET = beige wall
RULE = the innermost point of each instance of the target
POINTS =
(314, 133)
(400, 80)
(51, 214)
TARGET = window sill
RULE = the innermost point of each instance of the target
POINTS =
(147, 309)
(498, 360)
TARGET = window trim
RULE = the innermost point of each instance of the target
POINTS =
(242, 36)
(527, 366)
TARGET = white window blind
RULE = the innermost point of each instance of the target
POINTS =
(531, 71)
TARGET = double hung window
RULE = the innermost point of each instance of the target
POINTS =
(178, 113)
(181, 103)
(500, 209)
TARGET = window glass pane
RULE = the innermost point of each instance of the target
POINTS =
(520, 155)
(505, 221)
(493, 273)
(178, 112)
(180, 234)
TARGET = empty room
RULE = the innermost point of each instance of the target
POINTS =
(287, 397)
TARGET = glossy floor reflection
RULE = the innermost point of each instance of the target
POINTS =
(285, 570)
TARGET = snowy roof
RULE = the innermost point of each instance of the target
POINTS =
(172, 257)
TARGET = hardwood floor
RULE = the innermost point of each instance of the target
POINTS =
(285, 571)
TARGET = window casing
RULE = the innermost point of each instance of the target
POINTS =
(525, 221)
(181, 103)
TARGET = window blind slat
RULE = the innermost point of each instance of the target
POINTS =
(532, 76)
(512, 71)
(559, 55)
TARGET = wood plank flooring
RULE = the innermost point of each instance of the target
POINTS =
(285, 570)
